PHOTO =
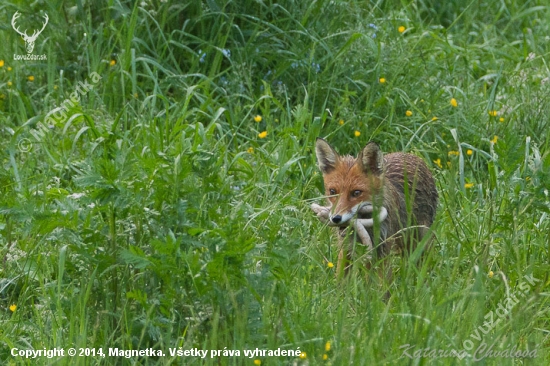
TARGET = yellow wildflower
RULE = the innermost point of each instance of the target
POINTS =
(382, 80)
(262, 135)
(434, 118)
(257, 362)
(453, 152)
(327, 346)
(468, 185)
(454, 103)
(401, 29)
(13, 307)
(408, 113)
(438, 163)
(258, 118)
(330, 264)
(493, 113)
(303, 355)
(357, 133)
(250, 150)
(469, 152)
(491, 274)
(325, 357)
(341, 122)
(494, 139)
(31, 78)
(112, 63)
(9, 68)
(501, 119)
(1, 63)
(10, 83)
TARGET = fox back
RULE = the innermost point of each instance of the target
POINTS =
(399, 182)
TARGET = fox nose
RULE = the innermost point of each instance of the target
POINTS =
(336, 219)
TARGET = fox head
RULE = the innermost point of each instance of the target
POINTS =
(350, 182)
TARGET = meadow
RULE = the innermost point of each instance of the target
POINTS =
(158, 166)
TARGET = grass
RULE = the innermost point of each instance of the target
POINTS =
(152, 214)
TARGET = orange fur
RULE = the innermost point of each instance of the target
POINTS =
(399, 182)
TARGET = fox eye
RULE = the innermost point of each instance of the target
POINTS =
(332, 191)
(356, 193)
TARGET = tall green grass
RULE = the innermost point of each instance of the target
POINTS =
(155, 216)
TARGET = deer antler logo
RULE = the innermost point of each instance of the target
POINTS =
(29, 40)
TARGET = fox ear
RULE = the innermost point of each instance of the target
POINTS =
(372, 159)
(326, 156)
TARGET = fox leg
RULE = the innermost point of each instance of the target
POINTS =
(345, 257)
(341, 267)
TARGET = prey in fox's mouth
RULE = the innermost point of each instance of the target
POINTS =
(393, 196)
(363, 213)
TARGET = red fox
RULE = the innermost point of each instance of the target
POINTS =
(395, 193)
